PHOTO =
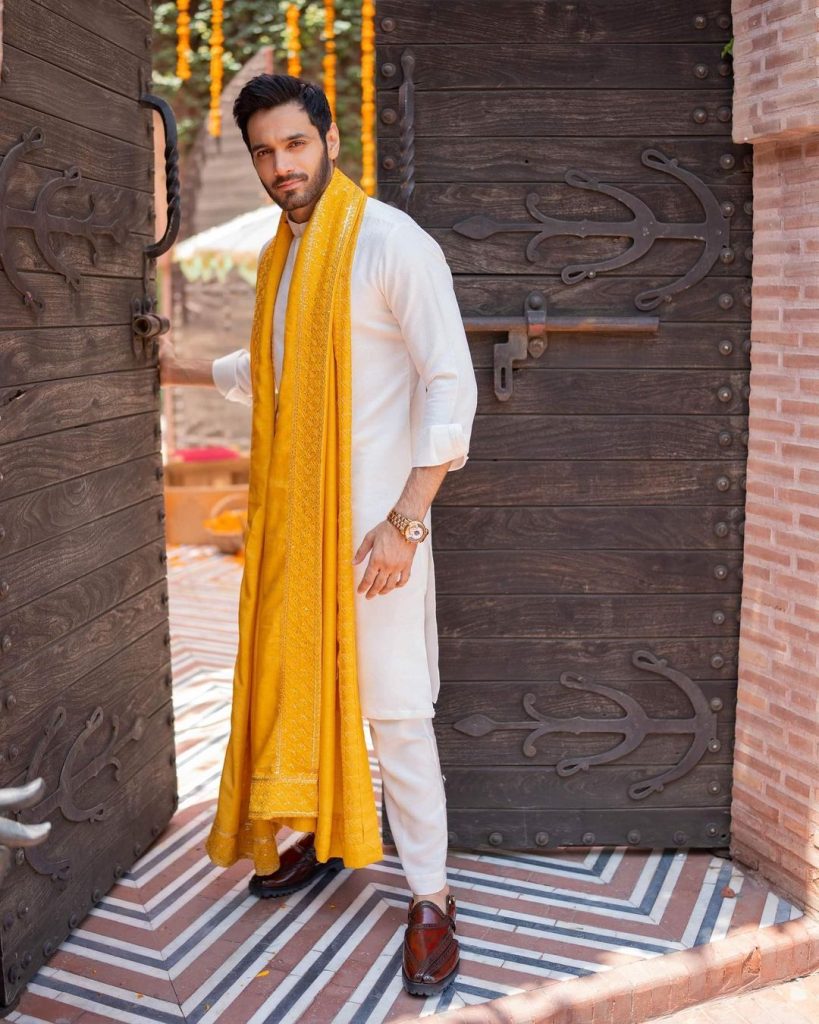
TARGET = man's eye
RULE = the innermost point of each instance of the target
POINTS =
(297, 142)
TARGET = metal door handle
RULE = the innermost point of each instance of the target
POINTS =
(148, 99)
(528, 334)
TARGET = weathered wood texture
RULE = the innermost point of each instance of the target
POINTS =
(601, 510)
(85, 663)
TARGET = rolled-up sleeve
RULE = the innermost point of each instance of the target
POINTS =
(417, 285)
(231, 375)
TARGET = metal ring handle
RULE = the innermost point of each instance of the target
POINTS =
(148, 99)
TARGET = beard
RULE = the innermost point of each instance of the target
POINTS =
(309, 192)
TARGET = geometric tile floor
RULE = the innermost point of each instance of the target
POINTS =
(179, 940)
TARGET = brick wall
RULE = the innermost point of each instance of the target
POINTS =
(776, 774)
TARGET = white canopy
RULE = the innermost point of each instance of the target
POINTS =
(236, 244)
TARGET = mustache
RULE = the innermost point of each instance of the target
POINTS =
(286, 181)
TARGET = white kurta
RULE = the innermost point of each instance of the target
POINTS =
(414, 396)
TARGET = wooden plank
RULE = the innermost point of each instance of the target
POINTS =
(42, 407)
(129, 663)
(41, 87)
(54, 563)
(116, 23)
(607, 437)
(98, 300)
(39, 462)
(538, 390)
(521, 21)
(705, 827)
(98, 157)
(600, 660)
(504, 704)
(538, 159)
(532, 572)
(507, 252)
(634, 528)
(544, 616)
(442, 205)
(48, 618)
(599, 788)
(682, 345)
(661, 482)
(73, 48)
(506, 113)
(93, 647)
(554, 65)
(715, 299)
(145, 805)
(54, 511)
(53, 353)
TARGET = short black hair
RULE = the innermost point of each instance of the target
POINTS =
(264, 92)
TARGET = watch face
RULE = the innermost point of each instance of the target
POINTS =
(415, 532)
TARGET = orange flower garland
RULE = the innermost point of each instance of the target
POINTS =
(217, 48)
(183, 39)
(293, 40)
(330, 54)
(368, 97)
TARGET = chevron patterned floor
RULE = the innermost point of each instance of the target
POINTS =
(180, 940)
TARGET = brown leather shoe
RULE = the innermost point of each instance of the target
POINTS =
(298, 867)
(431, 955)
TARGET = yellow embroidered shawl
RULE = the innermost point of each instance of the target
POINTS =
(296, 754)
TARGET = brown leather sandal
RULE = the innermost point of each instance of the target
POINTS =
(298, 867)
(431, 955)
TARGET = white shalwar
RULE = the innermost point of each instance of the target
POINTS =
(414, 396)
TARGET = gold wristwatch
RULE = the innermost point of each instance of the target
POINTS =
(411, 529)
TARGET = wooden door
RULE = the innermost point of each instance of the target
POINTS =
(575, 162)
(85, 681)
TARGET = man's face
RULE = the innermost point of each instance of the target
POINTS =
(293, 163)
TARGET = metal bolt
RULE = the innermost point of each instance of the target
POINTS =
(724, 114)
(699, 115)
(48, 947)
(749, 253)
(718, 618)
(10, 701)
(725, 438)
(389, 163)
(727, 161)
(495, 838)
(14, 752)
(388, 24)
(14, 974)
(155, 830)
(388, 69)
(25, 959)
(721, 529)
(160, 514)
(726, 300)
(720, 572)
(633, 837)
(20, 857)
(700, 21)
(714, 787)
(588, 838)
(727, 255)
(542, 838)
(73, 920)
(723, 483)
(163, 557)
(159, 472)
(137, 849)
(714, 745)
(748, 206)
(717, 661)
(725, 69)
(96, 895)
(4, 588)
(700, 70)
(5, 644)
(744, 437)
(725, 347)
(22, 908)
(119, 871)
(746, 346)
(389, 116)
(2, 532)
(727, 209)
(680, 838)
(724, 21)
(715, 704)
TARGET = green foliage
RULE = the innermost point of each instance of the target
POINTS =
(248, 26)
(728, 49)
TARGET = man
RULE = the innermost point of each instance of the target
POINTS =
(363, 405)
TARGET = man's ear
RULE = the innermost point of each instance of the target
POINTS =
(333, 141)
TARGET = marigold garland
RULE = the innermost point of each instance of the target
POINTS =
(183, 39)
(217, 48)
(368, 97)
(329, 63)
(293, 40)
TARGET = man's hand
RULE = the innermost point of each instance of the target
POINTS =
(390, 560)
(174, 371)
